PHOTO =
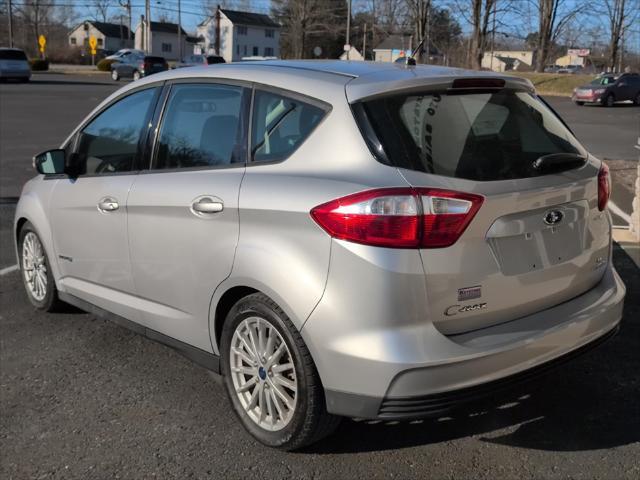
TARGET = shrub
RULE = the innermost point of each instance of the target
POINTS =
(104, 65)
(39, 65)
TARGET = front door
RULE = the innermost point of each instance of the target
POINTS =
(183, 213)
(89, 214)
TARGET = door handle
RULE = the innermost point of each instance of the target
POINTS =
(108, 204)
(207, 205)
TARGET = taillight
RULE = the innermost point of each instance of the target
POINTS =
(399, 217)
(604, 186)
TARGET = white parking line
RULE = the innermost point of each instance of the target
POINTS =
(10, 269)
(619, 212)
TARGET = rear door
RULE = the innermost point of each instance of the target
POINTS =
(538, 238)
(183, 211)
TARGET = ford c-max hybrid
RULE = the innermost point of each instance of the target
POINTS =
(335, 239)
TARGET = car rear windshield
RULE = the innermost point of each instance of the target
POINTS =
(154, 59)
(477, 136)
(12, 55)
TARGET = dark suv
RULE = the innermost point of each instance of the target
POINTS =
(609, 89)
(138, 66)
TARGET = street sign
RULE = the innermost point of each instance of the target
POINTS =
(347, 47)
(93, 43)
(42, 42)
(93, 51)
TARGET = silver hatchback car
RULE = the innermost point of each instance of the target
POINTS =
(336, 239)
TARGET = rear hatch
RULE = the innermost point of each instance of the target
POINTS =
(538, 238)
(13, 60)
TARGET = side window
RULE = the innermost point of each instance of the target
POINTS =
(203, 126)
(109, 143)
(280, 125)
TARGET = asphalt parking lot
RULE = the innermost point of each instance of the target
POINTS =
(84, 398)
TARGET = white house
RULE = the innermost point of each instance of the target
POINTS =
(505, 60)
(241, 34)
(109, 36)
(163, 40)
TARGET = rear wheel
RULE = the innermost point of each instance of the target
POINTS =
(36, 272)
(270, 376)
(580, 103)
(609, 100)
(136, 75)
(114, 75)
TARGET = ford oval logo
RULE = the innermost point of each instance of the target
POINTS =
(553, 217)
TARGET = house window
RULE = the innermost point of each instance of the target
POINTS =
(166, 48)
(269, 33)
(245, 50)
(99, 42)
(256, 51)
(73, 40)
(242, 30)
(268, 52)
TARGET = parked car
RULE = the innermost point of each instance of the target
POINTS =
(136, 66)
(609, 89)
(570, 69)
(123, 53)
(376, 242)
(14, 65)
(552, 68)
(199, 60)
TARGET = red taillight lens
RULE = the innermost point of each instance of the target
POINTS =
(399, 217)
(604, 186)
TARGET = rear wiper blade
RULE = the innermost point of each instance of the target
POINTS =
(559, 161)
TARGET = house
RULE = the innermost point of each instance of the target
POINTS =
(393, 47)
(163, 40)
(506, 60)
(574, 56)
(109, 36)
(353, 54)
(240, 35)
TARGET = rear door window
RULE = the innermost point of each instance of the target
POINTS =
(203, 126)
(476, 136)
(280, 125)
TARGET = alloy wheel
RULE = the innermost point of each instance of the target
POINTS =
(263, 373)
(34, 266)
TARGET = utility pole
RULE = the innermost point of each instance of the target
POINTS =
(127, 7)
(179, 33)
(147, 36)
(217, 43)
(10, 25)
(364, 43)
(348, 27)
(428, 31)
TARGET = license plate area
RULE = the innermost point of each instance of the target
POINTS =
(524, 242)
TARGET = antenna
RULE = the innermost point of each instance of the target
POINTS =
(410, 59)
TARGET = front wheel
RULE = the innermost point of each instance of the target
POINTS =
(270, 376)
(580, 103)
(609, 101)
(36, 271)
(136, 75)
(114, 75)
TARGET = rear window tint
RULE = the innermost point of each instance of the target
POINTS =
(476, 136)
(12, 55)
(154, 59)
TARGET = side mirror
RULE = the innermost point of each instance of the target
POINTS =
(51, 162)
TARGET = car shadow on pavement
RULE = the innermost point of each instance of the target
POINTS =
(589, 403)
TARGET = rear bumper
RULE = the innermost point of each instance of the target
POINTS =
(15, 73)
(416, 371)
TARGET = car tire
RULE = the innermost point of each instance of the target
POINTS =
(283, 427)
(580, 103)
(609, 100)
(114, 75)
(35, 271)
(136, 75)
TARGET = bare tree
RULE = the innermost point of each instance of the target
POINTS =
(481, 11)
(419, 11)
(100, 10)
(553, 17)
(35, 15)
(620, 15)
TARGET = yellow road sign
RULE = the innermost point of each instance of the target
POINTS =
(93, 42)
(93, 51)
(42, 42)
